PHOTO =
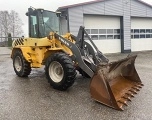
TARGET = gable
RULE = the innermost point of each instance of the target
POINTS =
(108, 7)
(141, 9)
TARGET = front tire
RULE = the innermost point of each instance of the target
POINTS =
(21, 66)
(60, 71)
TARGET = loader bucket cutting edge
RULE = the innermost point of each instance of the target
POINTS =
(113, 84)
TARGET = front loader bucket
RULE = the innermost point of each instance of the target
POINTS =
(115, 83)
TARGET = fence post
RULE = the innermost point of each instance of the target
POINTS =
(9, 40)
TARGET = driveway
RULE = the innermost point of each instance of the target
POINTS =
(32, 98)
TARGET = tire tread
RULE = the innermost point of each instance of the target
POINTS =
(70, 70)
(26, 65)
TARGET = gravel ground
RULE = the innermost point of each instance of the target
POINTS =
(32, 98)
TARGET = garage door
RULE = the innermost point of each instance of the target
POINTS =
(105, 31)
(141, 34)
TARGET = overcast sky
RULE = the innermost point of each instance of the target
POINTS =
(21, 6)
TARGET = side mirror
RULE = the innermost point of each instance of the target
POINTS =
(26, 14)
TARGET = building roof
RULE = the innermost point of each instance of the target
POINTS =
(79, 4)
(94, 1)
(144, 3)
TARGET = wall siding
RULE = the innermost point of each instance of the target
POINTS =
(63, 26)
(126, 26)
(75, 19)
(113, 7)
(138, 9)
(96, 8)
(108, 7)
(149, 12)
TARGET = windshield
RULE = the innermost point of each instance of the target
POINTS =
(50, 22)
(43, 22)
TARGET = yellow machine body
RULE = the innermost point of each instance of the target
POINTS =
(37, 50)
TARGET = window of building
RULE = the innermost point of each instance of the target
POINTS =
(109, 31)
(136, 36)
(109, 36)
(102, 31)
(141, 33)
(136, 30)
(142, 30)
(102, 37)
(100, 34)
(116, 36)
(94, 31)
(117, 31)
(94, 37)
(148, 31)
(148, 35)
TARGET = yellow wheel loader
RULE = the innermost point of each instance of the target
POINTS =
(112, 83)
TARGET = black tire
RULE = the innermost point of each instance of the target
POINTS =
(84, 74)
(60, 71)
(21, 67)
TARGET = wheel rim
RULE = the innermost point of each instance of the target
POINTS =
(56, 71)
(18, 63)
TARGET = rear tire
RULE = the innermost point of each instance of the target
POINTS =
(60, 71)
(21, 66)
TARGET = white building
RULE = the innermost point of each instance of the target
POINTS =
(114, 25)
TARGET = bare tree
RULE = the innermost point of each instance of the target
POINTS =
(16, 23)
(1, 34)
(10, 22)
(4, 18)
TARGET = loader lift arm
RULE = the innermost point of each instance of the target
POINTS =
(80, 55)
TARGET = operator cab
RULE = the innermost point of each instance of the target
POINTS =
(42, 22)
